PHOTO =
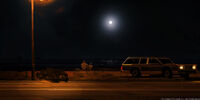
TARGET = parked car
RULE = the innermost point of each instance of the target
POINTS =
(54, 75)
(157, 65)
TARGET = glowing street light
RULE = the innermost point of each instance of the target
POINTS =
(43, 2)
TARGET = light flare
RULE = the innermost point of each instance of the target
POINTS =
(42, 2)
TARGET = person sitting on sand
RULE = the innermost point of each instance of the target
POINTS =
(84, 65)
(90, 67)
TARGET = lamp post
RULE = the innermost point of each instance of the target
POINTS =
(39, 2)
(33, 39)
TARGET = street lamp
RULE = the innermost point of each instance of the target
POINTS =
(33, 39)
(32, 31)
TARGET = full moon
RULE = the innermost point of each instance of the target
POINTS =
(110, 22)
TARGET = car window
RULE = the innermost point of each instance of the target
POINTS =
(132, 61)
(153, 61)
(166, 61)
(143, 61)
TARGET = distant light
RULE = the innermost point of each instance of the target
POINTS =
(181, 67)
(194, 67)
(41, 0)
(110, 22)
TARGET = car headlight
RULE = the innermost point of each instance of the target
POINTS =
(194, 67)
(181, 67)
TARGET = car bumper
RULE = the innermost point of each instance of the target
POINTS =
(187, 71)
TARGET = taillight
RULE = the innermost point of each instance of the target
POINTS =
(121, 68)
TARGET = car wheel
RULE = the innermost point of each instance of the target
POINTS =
(135, 73)
(167, 73)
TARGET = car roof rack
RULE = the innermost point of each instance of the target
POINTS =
(148, 57)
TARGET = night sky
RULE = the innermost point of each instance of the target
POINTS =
(76, 29)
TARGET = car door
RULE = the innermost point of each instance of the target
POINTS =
(130, 63)
(154, 66)
(143, 64)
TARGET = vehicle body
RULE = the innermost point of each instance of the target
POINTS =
(54, 75)
(157, 65)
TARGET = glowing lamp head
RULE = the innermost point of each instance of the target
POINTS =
(43, 2)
